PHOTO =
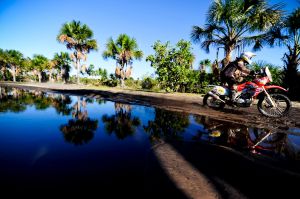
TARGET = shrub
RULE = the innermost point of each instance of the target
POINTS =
(148, 83)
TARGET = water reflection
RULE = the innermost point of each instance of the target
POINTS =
(17, 100)
(167, 125)
(12, 100)
(80, 129)
(122, 123)
(38, 145)
(268, 142)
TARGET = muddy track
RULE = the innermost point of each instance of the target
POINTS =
(176, 102)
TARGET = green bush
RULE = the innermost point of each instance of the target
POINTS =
(130, 82)
(148, 83)
(111, 82)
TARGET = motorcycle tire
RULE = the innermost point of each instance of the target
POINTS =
(213, 103)
(281, 100)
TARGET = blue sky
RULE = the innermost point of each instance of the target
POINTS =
(31, 26)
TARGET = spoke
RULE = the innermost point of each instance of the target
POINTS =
(278, 111)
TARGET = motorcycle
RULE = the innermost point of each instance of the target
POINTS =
(270, 103)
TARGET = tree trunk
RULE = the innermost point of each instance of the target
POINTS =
(122, 82)
(14, 76)
(50, 77)
(227, 59)
(40, 77)
(78, 71)
(13, 72)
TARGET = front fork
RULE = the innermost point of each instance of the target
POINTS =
(269, 99)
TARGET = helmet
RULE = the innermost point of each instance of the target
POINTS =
(246, 56)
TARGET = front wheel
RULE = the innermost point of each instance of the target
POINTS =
(281, 108)
(211, 102)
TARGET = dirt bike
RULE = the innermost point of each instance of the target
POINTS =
(270, 103)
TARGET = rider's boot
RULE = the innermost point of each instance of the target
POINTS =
(233, 95)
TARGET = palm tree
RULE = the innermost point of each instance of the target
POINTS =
(14, 62)
(39, 64)
(62, 63)
(292, 57)
(77, 37)
(232, 24)
(3, 63)
(123, 50)
(203, 64)
(287, 33)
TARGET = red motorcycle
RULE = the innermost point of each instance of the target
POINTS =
(272, 99)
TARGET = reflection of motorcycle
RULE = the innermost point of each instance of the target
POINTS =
(270, 104)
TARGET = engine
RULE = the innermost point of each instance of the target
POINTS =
(245, 99)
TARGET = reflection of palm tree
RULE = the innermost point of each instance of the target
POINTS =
(167, 124)
(12, 100)
(122, 123)
(61, 104)
(81, 129)
(41, 101)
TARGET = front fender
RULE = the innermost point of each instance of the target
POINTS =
(275, 87)
(269, 88)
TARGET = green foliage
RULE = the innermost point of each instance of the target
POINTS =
(12, 61)
(124, 50)
(276, 71)
(134, 84)
(77, 37)
(149, 83)
(39, 63)
(100, 72)
(204, 64)
(172, 64)
(234, 23)
(167, 125)
(292, 57)
(62, 62)
(111, 81)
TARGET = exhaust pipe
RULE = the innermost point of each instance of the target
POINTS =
(215, 96)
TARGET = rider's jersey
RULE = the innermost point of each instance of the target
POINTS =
(236, 69)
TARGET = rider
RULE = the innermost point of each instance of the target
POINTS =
(235, 70)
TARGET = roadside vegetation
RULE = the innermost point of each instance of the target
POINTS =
(230, 25)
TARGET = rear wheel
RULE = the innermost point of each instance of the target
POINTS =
(211, 102)
(281, 108)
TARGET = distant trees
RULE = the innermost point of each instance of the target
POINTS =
(11, 61)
